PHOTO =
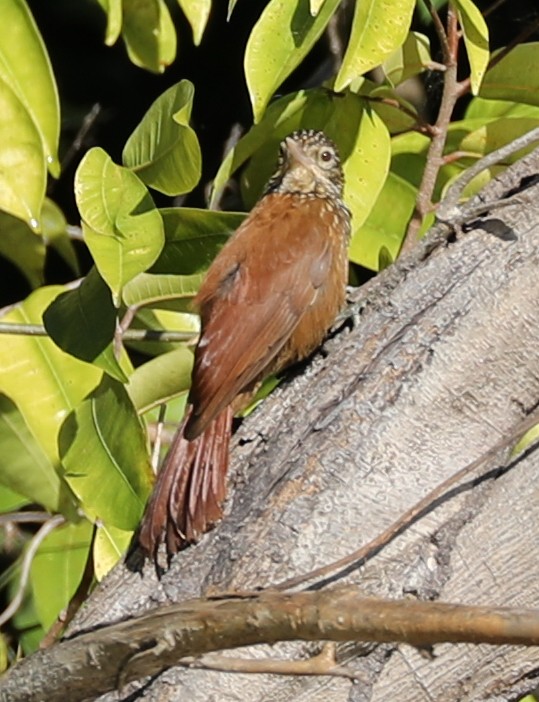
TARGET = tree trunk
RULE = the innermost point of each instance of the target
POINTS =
(442, 361)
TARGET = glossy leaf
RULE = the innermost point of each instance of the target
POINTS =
(57, 569)
(161, 379)
(487, 110)
(121, 226)
(491, 136)
(379, 27)
(408, 154)
(280, 40)
(163, 150)
(386, 224)
(163, 290)
(113, 9)
(106, 462)
(315, 6)
(25, 67)
(149, 34)
(476, 40)
(26, 469)
(197, 13)
(23, 172)
(409, 59)
(83, 322)
(109, 546)
(44, 382)
(512, 79)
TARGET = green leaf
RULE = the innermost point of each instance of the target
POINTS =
(379, 27)
(512, 79)
(104, 452)
(27, 250)
(20, 245)
(83, 321)
(57, 569)
(29, 631)
(44, 382)
(23, 172)
(10, 500)
(193, 238)
(476, 40)
(26, 469)
(164, 150)
(408, 155)
(25, 67)
(488, 110)
(113, 8)
(54, 232)
(121, 226)
(279, 41)
(491, 136)
(109, 546)
(172, 292)
(197, 13)
(396, 113)
(408, 60)
(149, 34)
(161, 379)
(386, 224)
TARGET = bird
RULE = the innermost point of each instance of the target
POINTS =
(267, 301)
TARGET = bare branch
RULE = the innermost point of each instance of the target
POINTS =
(155, 641)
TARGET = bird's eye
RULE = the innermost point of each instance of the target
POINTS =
(326, 156)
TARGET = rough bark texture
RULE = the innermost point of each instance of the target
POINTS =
(443, 360)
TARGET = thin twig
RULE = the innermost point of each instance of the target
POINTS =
(440, 32)
(324, 663)
(434, 160)
(33, 546)
(129, 335)
(23, 517)
(495, 5)
(448, 210)
(421, 126)
(88, 123)
(359, 556)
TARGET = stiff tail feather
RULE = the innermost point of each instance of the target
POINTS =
(191, 486)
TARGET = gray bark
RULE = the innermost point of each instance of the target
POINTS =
(442, 362)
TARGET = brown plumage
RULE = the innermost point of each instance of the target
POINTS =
(267, 301)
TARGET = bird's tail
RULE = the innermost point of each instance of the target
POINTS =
(191, 486)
